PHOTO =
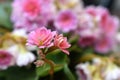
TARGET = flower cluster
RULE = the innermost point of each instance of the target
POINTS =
(100, 69)
(36, 13)
(99, 29)
(96, 27)
(45, 38)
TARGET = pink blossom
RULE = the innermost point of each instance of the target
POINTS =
(61, 43)
(86, 41)
(41, 37)
(85, 20)
(32, 13)
(87, 26)
(5, 59)
(29, 25)
(97, 11)
(32, 7)
(107, 23)
(66, 21)
(104, 45)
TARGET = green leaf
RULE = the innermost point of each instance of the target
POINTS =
(5, 10)
(7, 7)
(59, 59)
(68, 73)
(19, 73)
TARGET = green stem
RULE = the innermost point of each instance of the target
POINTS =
(68, 73)
(37, 77)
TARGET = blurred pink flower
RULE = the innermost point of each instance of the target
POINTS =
(61, 43)
(86, 41)
(6, 59)
(41, 37)
(32, 7)
(66, 21)
(104, 45)
(85, 20)
(87, 26)
(107, 23)
(29, 25)
(32, 13)
(97, 12)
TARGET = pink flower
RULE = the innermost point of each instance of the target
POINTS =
(32, 7)
(30, 25)
(87, 26)
(104, 45)
(97, 11)
(109, 25)
(41, 37)
(66, 21)
(86, 41)
(85, 20)
(61, 43)
(5, 59)
(32, 13)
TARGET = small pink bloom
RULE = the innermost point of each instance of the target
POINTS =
(61, 43)
(41, 37)
(5, 59)
(104, 45)
(66, 21)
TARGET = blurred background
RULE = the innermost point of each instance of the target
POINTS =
(83, 63)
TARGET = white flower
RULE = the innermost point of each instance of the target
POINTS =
(25, 58)
(99, 69)
(112, 72)
(83, 72)
(20, 32)
(22, 56)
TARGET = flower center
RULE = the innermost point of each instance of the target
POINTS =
(5, 58)
(32, 7)
(2, 56)
(66, 19)
(40, 43)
